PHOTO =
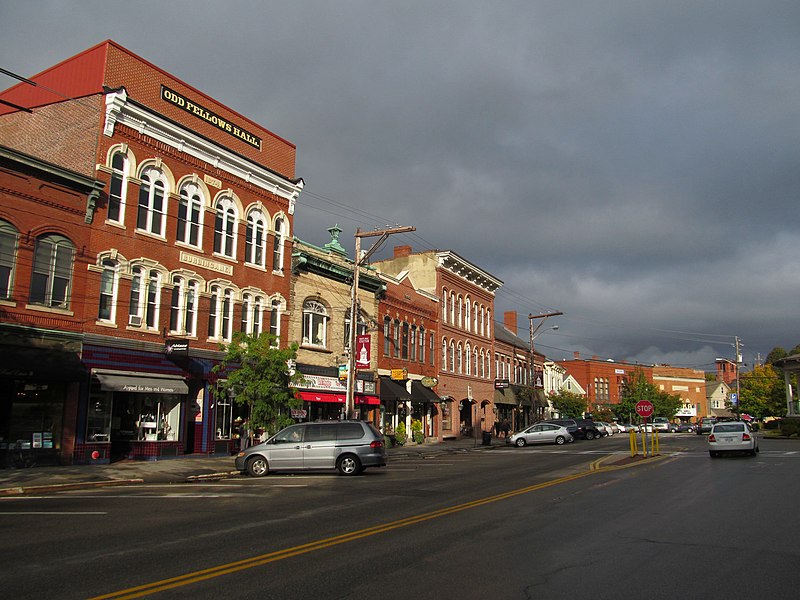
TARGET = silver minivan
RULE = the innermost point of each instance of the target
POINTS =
(347, 446)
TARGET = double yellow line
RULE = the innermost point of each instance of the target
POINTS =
(263, 559)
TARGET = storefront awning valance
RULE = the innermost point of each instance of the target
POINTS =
(322, 397)
(393, 391)
(420, 393)
(505, 397)
(142, 385)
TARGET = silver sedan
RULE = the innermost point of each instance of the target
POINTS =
(541, 433)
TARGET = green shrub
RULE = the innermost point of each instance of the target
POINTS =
(400, 434)
(790, 427)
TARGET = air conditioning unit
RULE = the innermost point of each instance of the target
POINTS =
(135, 321)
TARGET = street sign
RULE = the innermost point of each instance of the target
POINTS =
(644, 409)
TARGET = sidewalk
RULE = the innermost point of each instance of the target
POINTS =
(15, 482)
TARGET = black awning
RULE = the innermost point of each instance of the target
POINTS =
(142, 385)
(505, 397)
(393, 391)
(41, 363)
(422, 394)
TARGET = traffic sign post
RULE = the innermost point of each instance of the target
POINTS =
(644, 408)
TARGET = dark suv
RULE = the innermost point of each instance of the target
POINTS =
(704, 425)
(581, 429)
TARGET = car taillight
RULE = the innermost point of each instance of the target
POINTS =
(745, 437)
(376, 444)
(711, 438)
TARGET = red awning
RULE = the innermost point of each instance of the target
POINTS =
(322, 397)
(359, 399)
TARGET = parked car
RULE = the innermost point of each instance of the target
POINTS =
(684, 427)
(346, 446)
(604, 428)
(628, 427)
(541, 433)
(704, 425)
(614, 428)
(732, 436)
(581, 429)
(661, 424)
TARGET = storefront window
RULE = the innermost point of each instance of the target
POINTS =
(98, 419)
(148, 417)
(224, 418)
(33, 417)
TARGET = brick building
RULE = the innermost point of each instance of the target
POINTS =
(188, 242)
(465, 346)
(689, 384)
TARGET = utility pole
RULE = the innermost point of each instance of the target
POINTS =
(359, 260)
(738, 362)
(533, 334)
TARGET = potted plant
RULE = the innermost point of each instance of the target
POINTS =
(400, 434)
(416, 431)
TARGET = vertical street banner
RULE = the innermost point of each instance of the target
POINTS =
(362, 351)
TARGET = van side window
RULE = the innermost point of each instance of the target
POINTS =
(320, 433)
(349, 431)
(290, 435)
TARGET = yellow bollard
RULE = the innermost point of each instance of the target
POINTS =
(644, 441)
(655, 445)
(634, 449)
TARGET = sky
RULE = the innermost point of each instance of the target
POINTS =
(633, 164)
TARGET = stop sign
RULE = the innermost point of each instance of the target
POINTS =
(644, 408)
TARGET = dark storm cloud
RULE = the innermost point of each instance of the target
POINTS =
(633, 164)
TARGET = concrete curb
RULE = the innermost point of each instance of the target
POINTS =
(34, 489)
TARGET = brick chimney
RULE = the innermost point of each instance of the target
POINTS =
(510, 321)
(402, 251)
(576, 355)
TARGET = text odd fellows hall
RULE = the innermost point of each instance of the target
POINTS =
(188, 242)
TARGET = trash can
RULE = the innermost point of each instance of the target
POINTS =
(487, 438)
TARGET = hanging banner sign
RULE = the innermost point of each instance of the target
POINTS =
(362, 351)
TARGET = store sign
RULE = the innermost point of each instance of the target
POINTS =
(209, 117)
(176, 348)
(429, 382)
(501, 384)
(399, 374)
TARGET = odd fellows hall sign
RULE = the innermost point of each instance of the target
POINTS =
(206, 115)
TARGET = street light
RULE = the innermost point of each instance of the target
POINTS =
(534, 333)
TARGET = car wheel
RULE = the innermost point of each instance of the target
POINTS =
(348, 465)
(589, 435)
(257, 466)
(560, 440)
(520, 442)
(712, 454)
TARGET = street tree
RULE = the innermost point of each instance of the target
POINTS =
(255, 373)
(568, 404)
(638, 388)
(761, 392)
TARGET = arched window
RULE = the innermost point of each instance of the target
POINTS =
(413, 343)
(452, 308)
(475, 317)
(451, 357)
(255, 239)
(396, 338)
(225, 228)
(421, 344)
(118, 188)
(460, 311)
(444, 305)
(51, 280)
(467, 312)
(109, 286)
(315, 323)
(8, 259)
(153, 307)
(361, 327)
(444, 354)
(190, 216)
(278, 245)
(151, 215)
(460, 359)
(227, 315)
(468, 355)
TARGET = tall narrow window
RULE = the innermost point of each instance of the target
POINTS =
(412, 338)
(444, 354)
(275, 320)
(246, 323)
(422, 344)
(136, 305)
(8, 252)
(51, 279)
(404, 353)
(153, 299)
(190, 213)
(468, 355)
(225, 229)
(387, 336)
(108, 291)
(397, 338)
(255, 239)
(460, 359)
(258, 312)
(190, 311)
(277, 247)
(227, 315)
(361, 327)
(118, 187)
(183, 313)
(444, 305)
(152, 210)
(213, 313)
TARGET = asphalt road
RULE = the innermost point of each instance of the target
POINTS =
(544, 522)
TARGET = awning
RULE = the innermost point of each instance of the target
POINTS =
(362, 399)
(505, 397)
(40, 363)
(391, 390)
(322, 397)
(420, 393)
(142, 385)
